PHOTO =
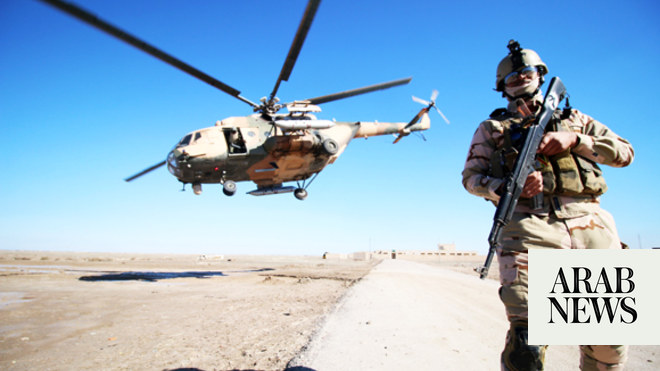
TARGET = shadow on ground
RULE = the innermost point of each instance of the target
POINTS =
(155, 276)
(297, 368)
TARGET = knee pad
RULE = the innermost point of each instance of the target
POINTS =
(520, 356)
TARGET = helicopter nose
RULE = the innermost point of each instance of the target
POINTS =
(173, 162)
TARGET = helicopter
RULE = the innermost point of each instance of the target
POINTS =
(266, 147)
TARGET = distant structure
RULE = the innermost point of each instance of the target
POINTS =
(203, 258)
(358, 256)
(445, 251)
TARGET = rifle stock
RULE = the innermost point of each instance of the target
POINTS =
(524, 165)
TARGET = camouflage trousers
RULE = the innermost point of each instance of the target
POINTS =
(594, 230)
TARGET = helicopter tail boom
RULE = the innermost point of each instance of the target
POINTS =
(370, 129)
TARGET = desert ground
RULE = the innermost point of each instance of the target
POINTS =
(97, 311)
(76, 311)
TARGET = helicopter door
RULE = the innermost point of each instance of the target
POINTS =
(235, 141)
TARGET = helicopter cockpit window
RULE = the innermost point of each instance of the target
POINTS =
(197, 136)
(185, 141)
(235, 141)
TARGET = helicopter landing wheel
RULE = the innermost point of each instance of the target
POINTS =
(229, 188)
(300, 193)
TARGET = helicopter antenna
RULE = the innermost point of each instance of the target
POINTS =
(296, 46)
(92, 20)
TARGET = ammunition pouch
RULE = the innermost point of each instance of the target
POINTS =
(591, 176)
(574, 175)
(564, 174)
(504, 157)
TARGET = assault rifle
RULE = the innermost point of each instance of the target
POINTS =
(524, 165)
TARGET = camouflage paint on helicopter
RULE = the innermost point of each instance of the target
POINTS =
(254, 149)
(266, 147)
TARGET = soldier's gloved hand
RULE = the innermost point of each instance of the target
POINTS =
(557, 141)
(533, 185)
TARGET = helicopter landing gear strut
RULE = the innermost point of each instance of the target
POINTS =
(229, 188)
(301, 191)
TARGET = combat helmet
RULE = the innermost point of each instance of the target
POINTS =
(516, 59)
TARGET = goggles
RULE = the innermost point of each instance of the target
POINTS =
(528, 72)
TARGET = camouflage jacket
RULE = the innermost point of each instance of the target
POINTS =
(596, 143)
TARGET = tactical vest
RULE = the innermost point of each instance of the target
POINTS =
(565, 174)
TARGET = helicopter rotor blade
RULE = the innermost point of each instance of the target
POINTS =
(366, 89)
(412, 122)
(399, 138)
(442, 114)
(430, 104)
(297, 44)
(422, 101)
(416, 118)
(92, 20)
(434, 94)
(145, 171)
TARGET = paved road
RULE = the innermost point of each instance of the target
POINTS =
(412, 316)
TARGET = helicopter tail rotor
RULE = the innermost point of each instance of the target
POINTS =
(406, 129)
(430, 104)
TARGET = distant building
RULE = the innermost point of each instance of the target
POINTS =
(446, 251)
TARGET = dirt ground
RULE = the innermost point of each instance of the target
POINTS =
(93, 311)
(96, 311)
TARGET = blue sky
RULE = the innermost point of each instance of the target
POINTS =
(80, 111)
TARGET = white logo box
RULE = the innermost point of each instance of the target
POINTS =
(567, 317)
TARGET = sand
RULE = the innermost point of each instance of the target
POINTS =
(95, 311)
(75, 311)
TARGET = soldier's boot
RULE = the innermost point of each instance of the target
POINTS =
(603, 357)
(518, 355)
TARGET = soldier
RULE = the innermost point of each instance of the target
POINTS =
(570, 182)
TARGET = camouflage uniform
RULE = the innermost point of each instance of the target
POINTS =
(564, 222)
